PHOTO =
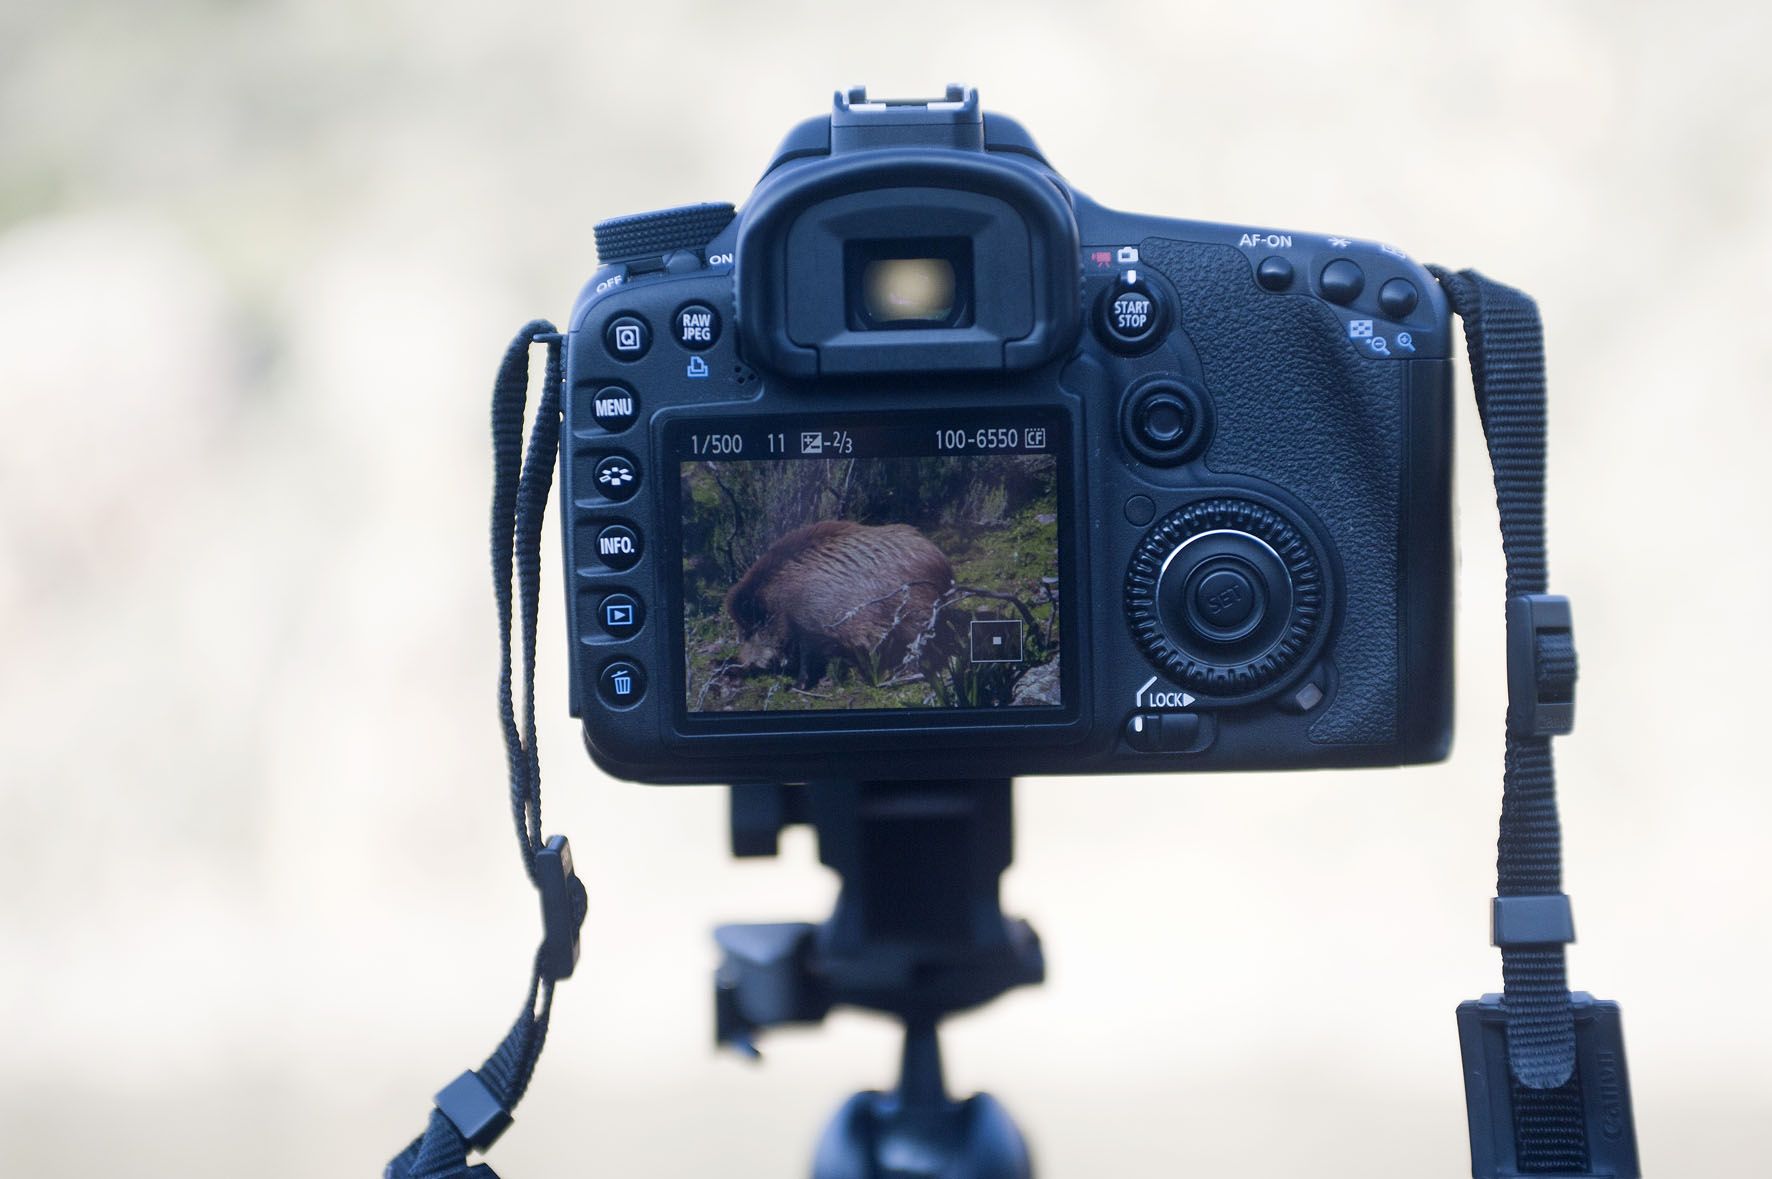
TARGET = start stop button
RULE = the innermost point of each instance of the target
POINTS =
(1131, 315)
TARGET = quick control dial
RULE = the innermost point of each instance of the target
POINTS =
(1228, 598)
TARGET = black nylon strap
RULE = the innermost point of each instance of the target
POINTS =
(520, 489)
(1505, 341)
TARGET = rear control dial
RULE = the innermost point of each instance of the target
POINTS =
(1227, 598)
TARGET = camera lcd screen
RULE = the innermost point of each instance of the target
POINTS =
(858, 564)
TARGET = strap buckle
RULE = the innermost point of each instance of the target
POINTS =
(1541, 666)
(476, 1112)
(1517, 921)
(562, 907)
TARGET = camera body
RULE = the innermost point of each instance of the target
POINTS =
(924, 465)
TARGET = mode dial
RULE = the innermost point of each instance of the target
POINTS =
(1228, 598)
(655, 234)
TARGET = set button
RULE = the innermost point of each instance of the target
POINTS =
(622, 683)
(627, 337)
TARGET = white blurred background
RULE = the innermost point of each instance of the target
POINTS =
(258, 892)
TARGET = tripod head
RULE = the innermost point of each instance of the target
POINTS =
(918, 934)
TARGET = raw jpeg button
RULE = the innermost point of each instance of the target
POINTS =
(697, 326)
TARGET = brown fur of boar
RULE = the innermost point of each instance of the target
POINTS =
(837, 590)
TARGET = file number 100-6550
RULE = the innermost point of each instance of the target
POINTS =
(992, 438)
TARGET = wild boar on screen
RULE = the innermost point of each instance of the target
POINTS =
(860, 594)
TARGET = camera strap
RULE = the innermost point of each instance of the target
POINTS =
(474, 1109)
(1545, 1084)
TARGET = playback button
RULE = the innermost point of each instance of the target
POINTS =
(620, 615)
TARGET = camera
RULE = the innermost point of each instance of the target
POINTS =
(925, 465)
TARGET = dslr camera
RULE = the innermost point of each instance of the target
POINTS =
(925, 465)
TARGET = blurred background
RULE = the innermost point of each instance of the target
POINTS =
(258, 892)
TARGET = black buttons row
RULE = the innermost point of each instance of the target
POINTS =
(696, 326)
(1341, 283)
